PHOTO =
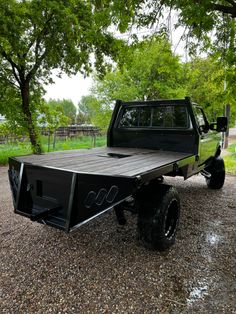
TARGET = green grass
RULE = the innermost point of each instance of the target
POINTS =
(232, 148)
(13, 150)
(75, 143)
(230, 160)
(19, 149)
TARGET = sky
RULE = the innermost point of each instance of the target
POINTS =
(66, 87)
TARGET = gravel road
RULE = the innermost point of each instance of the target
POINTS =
(102, 269)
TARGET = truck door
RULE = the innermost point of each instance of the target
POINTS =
(209, 140)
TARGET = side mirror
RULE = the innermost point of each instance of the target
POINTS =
(220, 125)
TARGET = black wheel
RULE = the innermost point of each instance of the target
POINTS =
(217, 171)
(158, 217)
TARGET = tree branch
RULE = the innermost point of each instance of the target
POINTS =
(9, 59)
(28, 48)
(41, 34)
(36, 66)
(13, 65)
(38, 60)
(225, 9)
(231, 2)
(12, 83)
(6, 75)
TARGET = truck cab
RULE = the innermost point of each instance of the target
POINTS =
(173, 125)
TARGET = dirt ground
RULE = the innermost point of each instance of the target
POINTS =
(102, 269)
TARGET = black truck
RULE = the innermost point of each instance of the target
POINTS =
(146, 140)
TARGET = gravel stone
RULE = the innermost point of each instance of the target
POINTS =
(102, 269)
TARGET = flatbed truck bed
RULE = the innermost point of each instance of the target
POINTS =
(110, 161)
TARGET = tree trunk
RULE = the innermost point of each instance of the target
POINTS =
(36, 146)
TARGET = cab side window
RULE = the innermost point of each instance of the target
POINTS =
(201, 120)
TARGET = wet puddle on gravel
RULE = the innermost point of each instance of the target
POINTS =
(213, 238)
(197, 293)
(200, 289)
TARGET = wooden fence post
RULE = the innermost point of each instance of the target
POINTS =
(49, 139)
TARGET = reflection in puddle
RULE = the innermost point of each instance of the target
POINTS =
(213, 238)
(197, 293)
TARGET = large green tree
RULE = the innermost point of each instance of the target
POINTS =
(151, 71)
(67, 107)
(37, 36)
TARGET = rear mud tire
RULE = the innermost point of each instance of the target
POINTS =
(158, 217)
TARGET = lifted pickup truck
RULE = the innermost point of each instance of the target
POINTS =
(146, 140)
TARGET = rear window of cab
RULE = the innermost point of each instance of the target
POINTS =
(162, 116)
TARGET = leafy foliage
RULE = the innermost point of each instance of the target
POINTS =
(95, 111)
(208, 24)
(52, 118)
(151, 71)
(66, 106)
(11, 108)
(205, 81)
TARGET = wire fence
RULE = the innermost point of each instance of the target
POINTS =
(8, 139)
(62, 133)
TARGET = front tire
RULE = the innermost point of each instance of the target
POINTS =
(159, 217)
(217, 171)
